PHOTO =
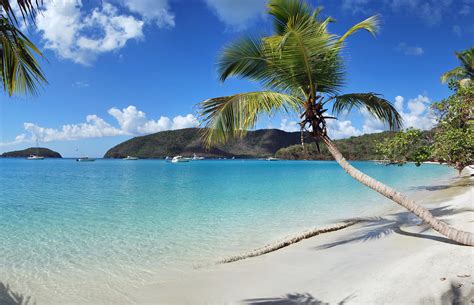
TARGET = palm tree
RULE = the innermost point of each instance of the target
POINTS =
(301, 70)
(20, 72)
(465, 70)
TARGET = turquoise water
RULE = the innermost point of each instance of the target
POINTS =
(109, 226)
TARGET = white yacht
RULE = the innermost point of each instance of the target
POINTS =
(272, 159)
(195, 157)
(130, 158)
(34, 157)
(85, 159)
(178, 159)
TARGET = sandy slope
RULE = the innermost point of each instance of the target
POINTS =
(385, 260)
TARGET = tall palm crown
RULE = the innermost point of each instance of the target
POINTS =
(300, 69)
(465, 70)
(19, 70)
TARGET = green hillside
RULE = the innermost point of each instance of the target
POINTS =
(186, 142)
(256, 144)
(353, 148)
(40, 151)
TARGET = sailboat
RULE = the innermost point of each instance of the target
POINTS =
(84, 159)
(196, 157)
(35, 156)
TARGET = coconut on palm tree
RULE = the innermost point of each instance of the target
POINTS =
(19, 70)
(464, 74)
(301, 71)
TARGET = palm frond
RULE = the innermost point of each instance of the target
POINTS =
(303, 59)
(465, 70)
(371, 24)
(283, 11)
(457, 73)
(232, 116)
(28, 8)
(374, 103)
(19, 69)
(258, 60)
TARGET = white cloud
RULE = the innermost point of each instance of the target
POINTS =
(81, 84)
(417, 113)
(131, 121)
(341, 129)
(187, 121)
(289, 126)
(371, 124)
(465, 10)
(21, 138)
(81, 35)
(355, 6)
(237, 14)
(157, 11)
(409, 50)
(430, 11)
(336, 129)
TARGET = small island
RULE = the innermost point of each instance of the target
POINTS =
(40, 151)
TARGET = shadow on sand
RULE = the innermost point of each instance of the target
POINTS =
(10, 297)
(453, 296)
(292, 299)
(462, 182)
(378, 227)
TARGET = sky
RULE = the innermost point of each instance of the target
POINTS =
(123, 68)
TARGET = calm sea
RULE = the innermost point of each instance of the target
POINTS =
(98, 230)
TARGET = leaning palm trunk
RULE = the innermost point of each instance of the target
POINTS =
(462, 237)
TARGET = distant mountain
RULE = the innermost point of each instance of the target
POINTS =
(40, 151)
(186, 142)
(256, 144)
(353, 148)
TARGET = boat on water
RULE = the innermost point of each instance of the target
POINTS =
(34, 157)
(196, 157)
(179, 159)
(85, 159)
(272, 159)
(130, 158)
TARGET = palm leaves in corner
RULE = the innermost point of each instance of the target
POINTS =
(300, 69)
(19, 70)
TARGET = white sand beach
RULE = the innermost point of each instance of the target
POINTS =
(391, 259)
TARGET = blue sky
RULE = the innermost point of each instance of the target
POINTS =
(121, 68)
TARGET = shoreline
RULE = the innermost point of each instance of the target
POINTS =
(296, 237)
(318, 269)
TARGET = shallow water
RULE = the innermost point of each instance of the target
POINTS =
(95, 231)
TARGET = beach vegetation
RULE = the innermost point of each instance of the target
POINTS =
(452, 139)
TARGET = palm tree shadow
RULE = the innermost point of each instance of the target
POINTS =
(452, 296)
(379, 227)
(292, 299)
(10, 297)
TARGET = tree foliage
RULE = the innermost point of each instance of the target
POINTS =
(452, 139)
(464, 71)
(20, 72)
(410, 145)
(454, 135)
